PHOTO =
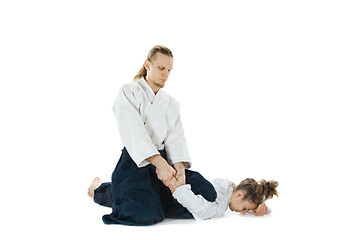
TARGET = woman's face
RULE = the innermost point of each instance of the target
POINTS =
(158, 70)
(238, 204)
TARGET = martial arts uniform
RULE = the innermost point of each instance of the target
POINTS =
(203, 209)
(149, 124)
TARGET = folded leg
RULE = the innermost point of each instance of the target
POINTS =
(135, 194)
(103, 195)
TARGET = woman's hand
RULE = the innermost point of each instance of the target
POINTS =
(261, 210)
(173, 184)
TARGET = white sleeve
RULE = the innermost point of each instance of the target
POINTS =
(176, 146)
(199, 207)
(131, 127)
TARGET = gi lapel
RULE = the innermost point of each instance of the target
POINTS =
(155, 106)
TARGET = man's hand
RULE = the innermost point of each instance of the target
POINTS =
(261, 210)
(165, 174)
(164, 171)
(180, 174)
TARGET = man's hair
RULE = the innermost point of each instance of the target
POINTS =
(151, 56)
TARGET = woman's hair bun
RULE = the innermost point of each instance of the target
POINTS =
(267, 189)
(258, 192)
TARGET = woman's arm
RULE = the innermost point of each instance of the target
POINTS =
(198, 206)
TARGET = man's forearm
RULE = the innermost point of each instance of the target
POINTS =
(157, 160)
(179, 166)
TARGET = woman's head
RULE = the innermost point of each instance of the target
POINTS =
(159, 56)
(249, 194)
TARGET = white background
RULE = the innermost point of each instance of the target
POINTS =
(268, 89)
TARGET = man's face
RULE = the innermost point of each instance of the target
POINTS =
(158, 70)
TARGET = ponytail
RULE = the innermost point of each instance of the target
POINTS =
(141, 73)
(266, 189)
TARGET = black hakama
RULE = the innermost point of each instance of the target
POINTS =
(138, 197)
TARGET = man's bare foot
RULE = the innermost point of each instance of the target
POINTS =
(94, 185)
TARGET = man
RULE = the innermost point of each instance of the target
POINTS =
(155, 159)
(160, 123)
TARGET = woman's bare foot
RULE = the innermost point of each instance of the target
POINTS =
(94, 185)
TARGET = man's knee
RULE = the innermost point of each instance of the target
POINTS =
(199, 185)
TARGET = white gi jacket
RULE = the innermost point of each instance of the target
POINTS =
(148, 123)
(202, 209)
(198, 206)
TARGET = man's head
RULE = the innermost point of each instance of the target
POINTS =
(158, 70)
(157, 67)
